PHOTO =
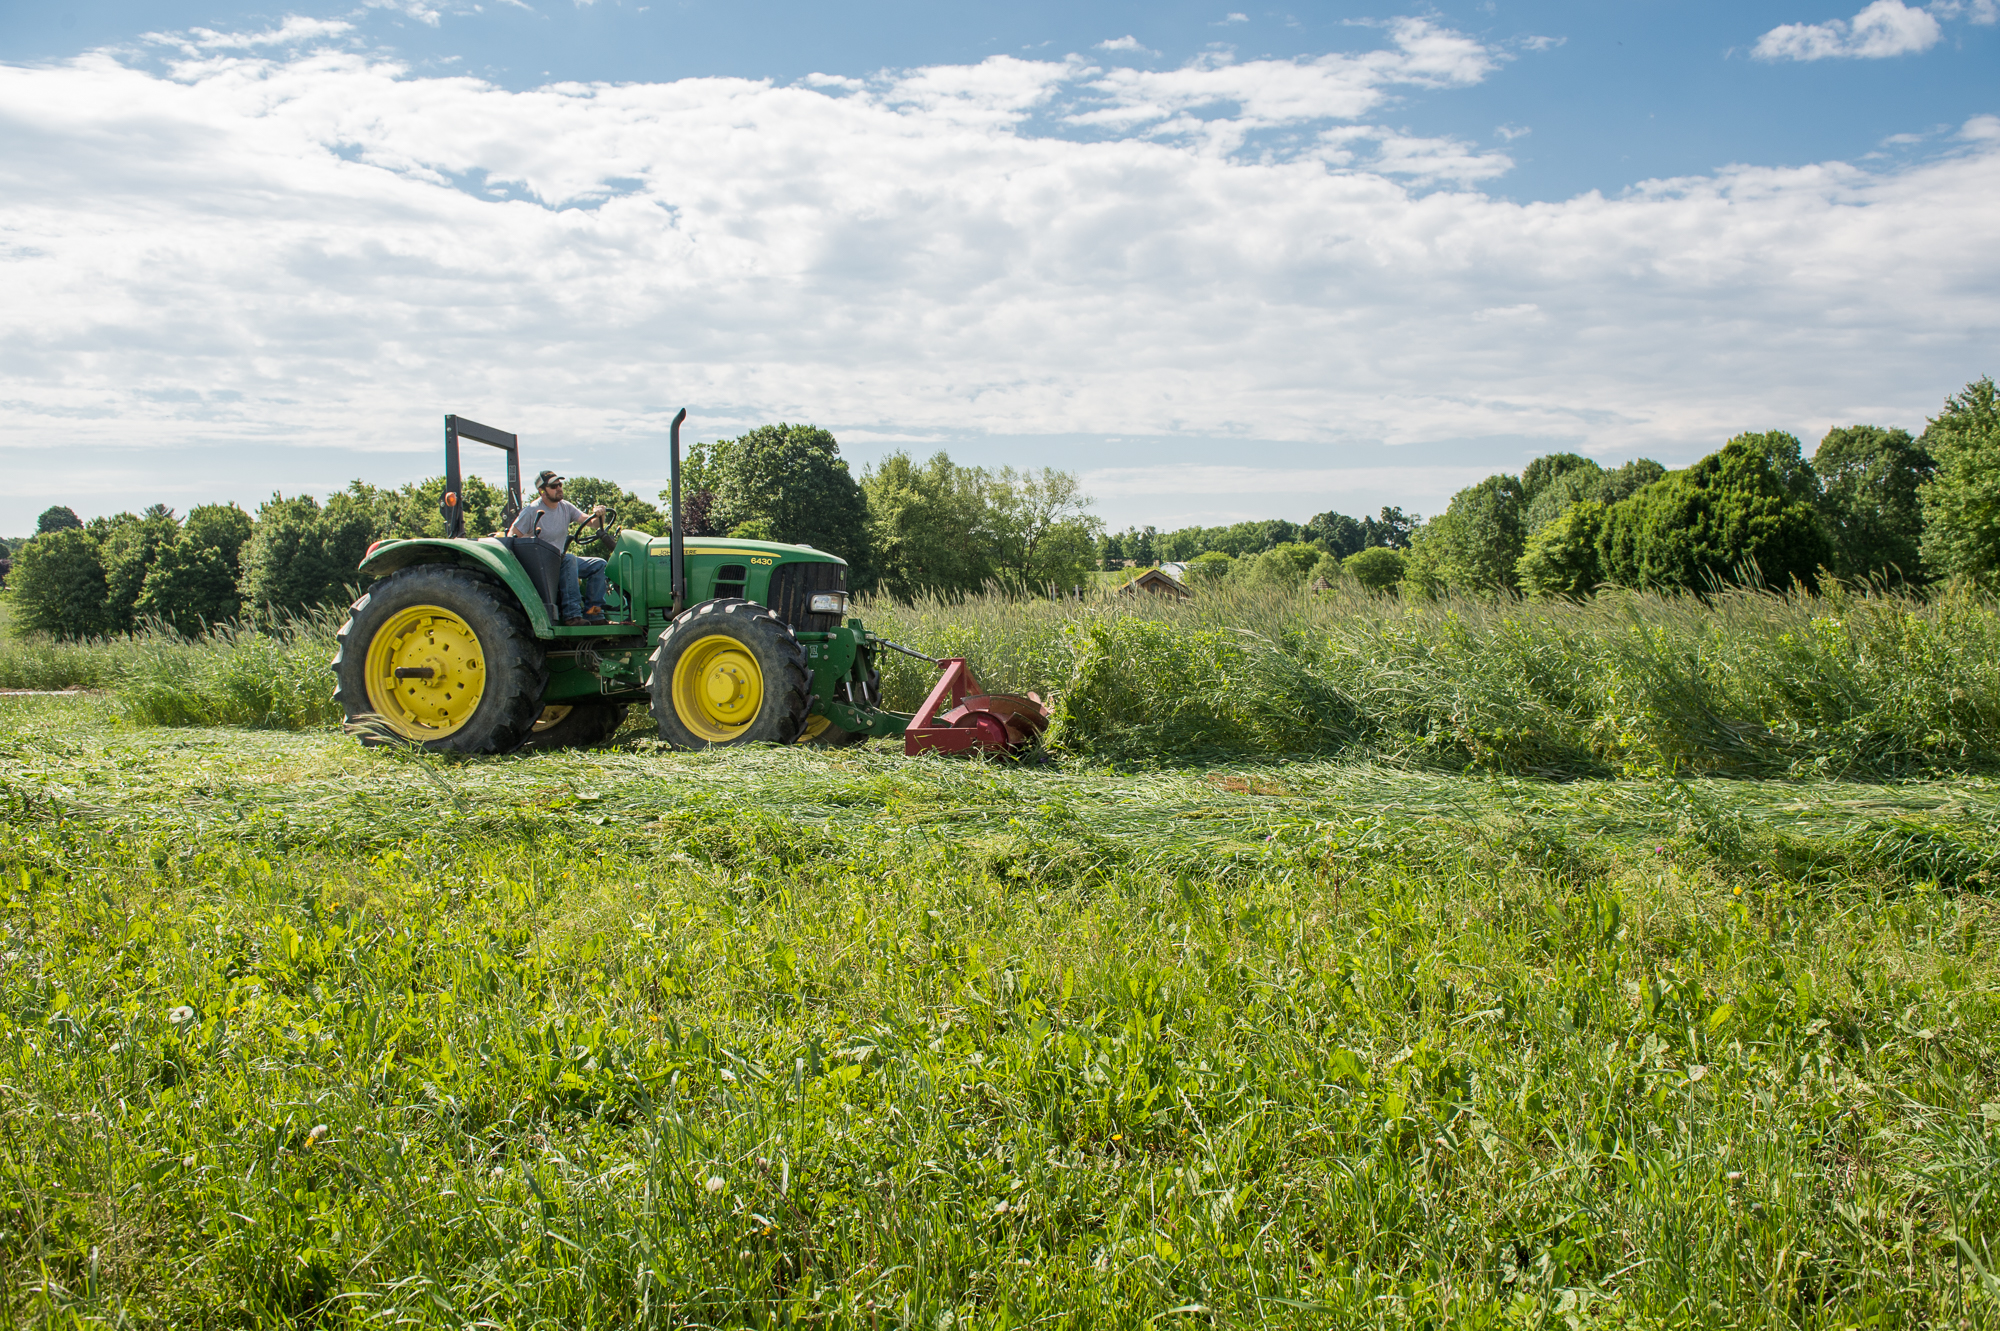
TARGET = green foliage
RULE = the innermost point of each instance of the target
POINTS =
(793, 479)
(1621, 483)
(1561, 556)
(57, 518)
(1327, 571)
(1208, 569)
(1746, 511)
(628, 510)
(58, 586)
(1545, 471)
(1744, 682)
(129, 553)
(572, 1040)
(190, 586)
(1236, 540)
(1045, 533)
(930, 526)
(1476, 543)
(1870, 479)
(1377, 569)
(1558, 494)
(1287, 565)
(301, 555)
(1961, 502)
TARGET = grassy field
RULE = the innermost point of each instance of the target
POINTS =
(297, 1034)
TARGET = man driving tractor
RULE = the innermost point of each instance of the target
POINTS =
(548, 519)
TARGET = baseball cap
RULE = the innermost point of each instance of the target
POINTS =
(546, 479)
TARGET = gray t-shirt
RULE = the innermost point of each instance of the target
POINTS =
(555, 526)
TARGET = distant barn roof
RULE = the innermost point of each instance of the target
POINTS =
(1152, 580)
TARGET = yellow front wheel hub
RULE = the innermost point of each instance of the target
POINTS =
(426, 672)
(718, 688)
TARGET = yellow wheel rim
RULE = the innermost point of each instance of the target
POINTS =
(814, 727)
(426, 672)
(718, 688)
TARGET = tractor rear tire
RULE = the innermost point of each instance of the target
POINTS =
(442, 656)
(728, 672)
(575, 725)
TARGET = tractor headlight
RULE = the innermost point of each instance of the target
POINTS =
(829, 603)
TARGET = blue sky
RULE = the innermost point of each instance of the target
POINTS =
(1224, 262)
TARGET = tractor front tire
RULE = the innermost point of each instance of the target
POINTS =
(441, 656)
(574, 725)
(728, 672)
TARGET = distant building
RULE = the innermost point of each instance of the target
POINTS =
(1155, 581)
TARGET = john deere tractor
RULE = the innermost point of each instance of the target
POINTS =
(458, 645)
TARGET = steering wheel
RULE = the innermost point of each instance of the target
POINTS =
(603, 531)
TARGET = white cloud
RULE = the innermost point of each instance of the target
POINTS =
(321, 249)
(1125, 43)
(1884, 28)
(1983, 12)
(1236, 18)
(293, 31)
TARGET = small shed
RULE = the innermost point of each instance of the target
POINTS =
(1156, 582)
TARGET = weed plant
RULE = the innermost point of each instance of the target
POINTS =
(255, 673)
(1852, 683)
(297, 1034)
(1856, 684)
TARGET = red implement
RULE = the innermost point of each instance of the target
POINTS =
(958, 718)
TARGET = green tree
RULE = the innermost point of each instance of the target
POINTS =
(1476, 543)
(1377, 569)
(129, 553)
(1208, 569)
(1961, 501)
(1327, 572)
(1340, 534)
(302, 555)
(627, 509)
(1870, 479)
(58, 518)
(1561, 555)
(58, 585)
(1044, 531)
(792, 478)
(930, 527)
(1621, 483)
(1748, 505)
(193, 583)
(1545, 471)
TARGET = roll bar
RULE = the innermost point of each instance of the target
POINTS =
(454, 512)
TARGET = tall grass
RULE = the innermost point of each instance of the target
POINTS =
(270, 673)
(1849, 683)
(1747, 682)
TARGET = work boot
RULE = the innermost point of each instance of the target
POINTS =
(575, 622)
(594, 615)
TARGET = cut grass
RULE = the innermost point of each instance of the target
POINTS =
(300, 1034)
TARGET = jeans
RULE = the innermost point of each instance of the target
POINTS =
(574, 567)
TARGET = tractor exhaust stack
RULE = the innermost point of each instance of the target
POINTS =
(676, 541)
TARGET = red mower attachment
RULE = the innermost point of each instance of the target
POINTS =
(990, 722)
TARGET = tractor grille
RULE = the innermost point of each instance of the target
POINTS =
(792, 586)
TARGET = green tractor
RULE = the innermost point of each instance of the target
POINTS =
(458, 645)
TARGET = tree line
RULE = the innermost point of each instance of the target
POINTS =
(1871, 503)
(904, 528)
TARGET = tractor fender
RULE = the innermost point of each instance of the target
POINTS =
(486, 554)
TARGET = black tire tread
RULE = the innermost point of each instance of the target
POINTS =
(791, 695)
(502, 720)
